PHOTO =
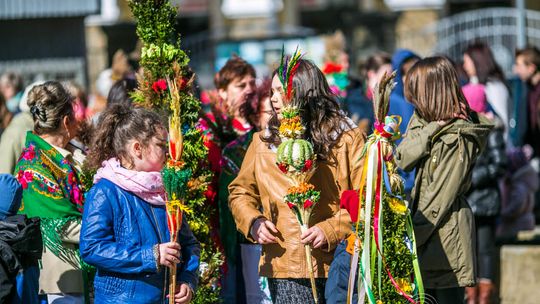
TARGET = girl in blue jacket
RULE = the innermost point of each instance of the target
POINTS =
(124, 229)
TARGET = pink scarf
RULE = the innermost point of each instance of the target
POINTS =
(146, 185)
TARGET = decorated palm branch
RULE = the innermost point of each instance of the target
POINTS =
(295, 156)
(384, 252)
(165, 86)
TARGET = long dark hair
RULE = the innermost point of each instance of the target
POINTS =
(319, 110)
(116, 126)
(484, 63)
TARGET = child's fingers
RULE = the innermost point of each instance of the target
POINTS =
(173, 252)
(166, 263)
(172, 259)
(183, 295)
(183, 300)
(173, 245)
(183, 291)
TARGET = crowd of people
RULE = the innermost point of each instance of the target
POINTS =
(468, 158)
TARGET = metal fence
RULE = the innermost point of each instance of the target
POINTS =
(47, 69)
(498, 27)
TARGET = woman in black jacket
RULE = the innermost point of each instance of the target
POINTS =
(485, 201)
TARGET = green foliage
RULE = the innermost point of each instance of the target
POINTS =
(163, 59)
(155, 20)
(397, 257)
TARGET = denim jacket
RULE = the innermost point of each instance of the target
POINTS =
(119, 231)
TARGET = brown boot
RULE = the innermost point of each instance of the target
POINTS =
(472, 294)
(486, 290)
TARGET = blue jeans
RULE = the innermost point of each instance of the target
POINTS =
(338, 277)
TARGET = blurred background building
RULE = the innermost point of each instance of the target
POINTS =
(76, 39)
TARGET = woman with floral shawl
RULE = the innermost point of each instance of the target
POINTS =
(52, 190)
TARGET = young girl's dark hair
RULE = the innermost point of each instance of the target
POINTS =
(484, 63)
(119, 93)
(319, 110)
(432, 86)
(118, 125)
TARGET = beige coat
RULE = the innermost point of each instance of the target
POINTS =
(258, 192)
(58, 276)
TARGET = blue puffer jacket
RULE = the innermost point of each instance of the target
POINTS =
(400, 106)
(117, 235)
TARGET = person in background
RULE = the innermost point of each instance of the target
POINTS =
(5, 115)
(80, 103)
(79, 144)
(120, 92)
(360, 104)
(242, 257)
(231, 117)
(235, 85)
(124, 229)
(52, 191)
(402, 61)
(519, 186)
(484, 197)
(481, 67)
(12, 86)
(336, 65)
(527, 67)
(443, 140)
(13, 139)
(119, 69)
(21, 247)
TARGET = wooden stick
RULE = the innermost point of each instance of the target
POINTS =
(173, 268)
(172, 283)
(310, 268)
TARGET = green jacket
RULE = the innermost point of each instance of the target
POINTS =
(443, 221)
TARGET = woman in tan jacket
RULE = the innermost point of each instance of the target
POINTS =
(256, 195)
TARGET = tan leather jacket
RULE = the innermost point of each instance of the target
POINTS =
(259, 189)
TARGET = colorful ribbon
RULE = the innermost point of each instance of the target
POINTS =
(375, 183)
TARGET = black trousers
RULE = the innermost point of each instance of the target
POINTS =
(445, 296)
(485, 250)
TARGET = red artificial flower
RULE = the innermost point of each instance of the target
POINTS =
(308, 203)
(330, 68)
(29, 153)
(291, 205)
(183, 83)
(24, 178)
(283, 167)
(210, 194)
(307, 165)
(159, 86)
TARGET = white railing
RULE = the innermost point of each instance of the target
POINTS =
(498, 27)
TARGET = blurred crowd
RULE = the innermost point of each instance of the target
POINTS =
(503, 196)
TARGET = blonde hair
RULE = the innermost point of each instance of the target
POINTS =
(432, 86)
(49, 103)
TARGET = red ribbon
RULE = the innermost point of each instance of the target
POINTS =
(379, 127)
